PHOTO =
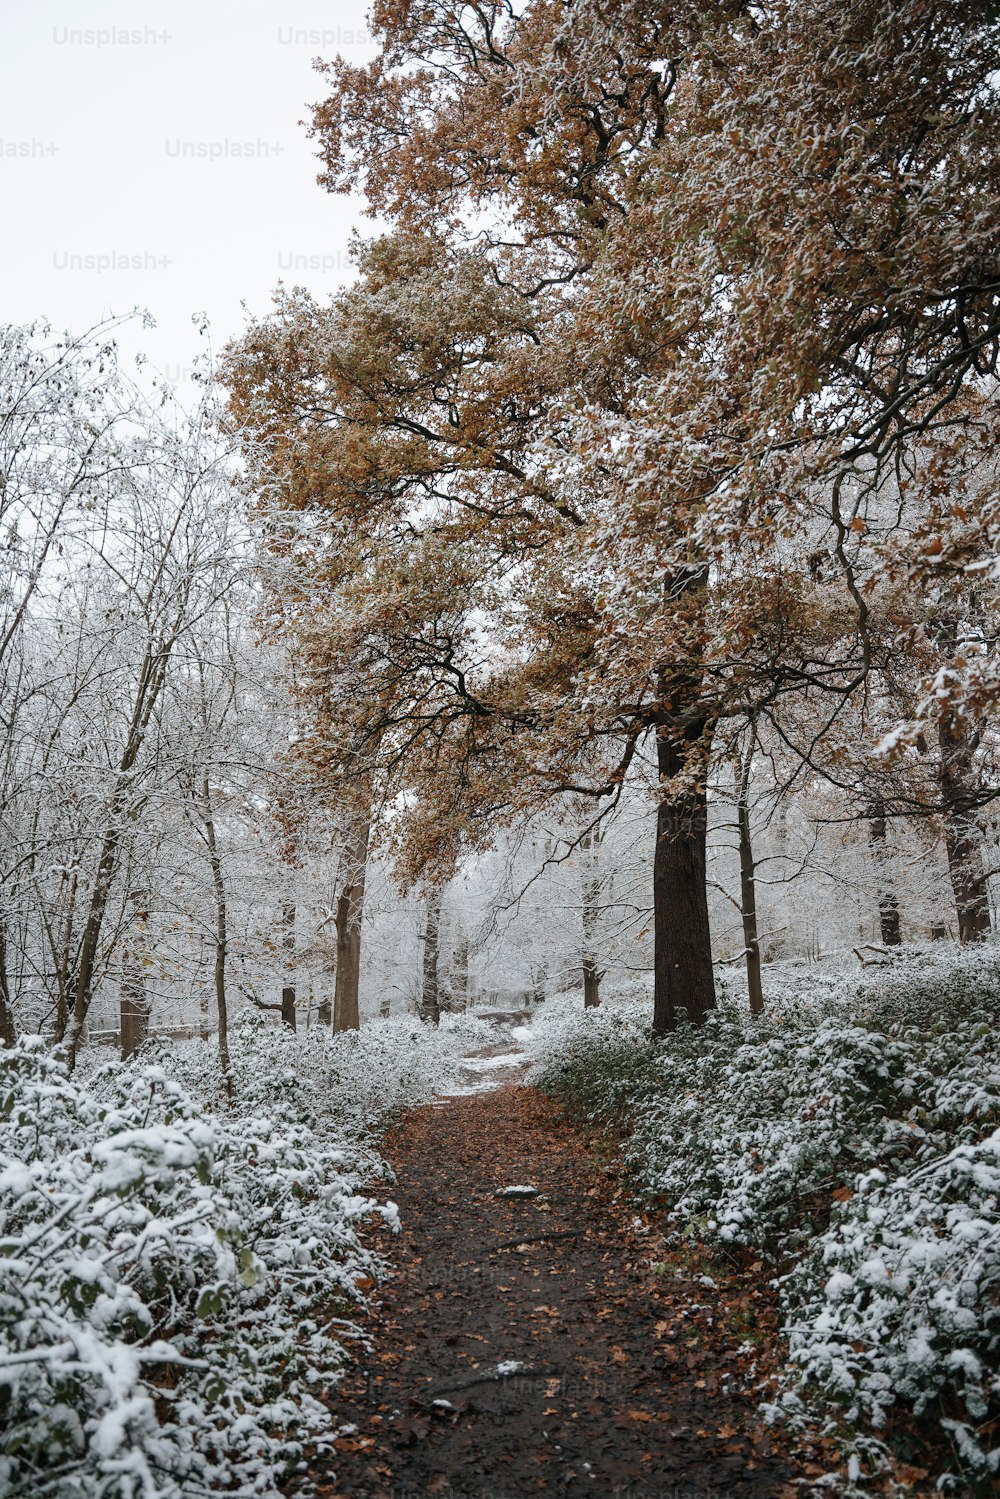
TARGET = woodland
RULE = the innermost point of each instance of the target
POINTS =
(541, 698)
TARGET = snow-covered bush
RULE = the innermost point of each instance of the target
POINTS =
(171, 1284)
(851, 1135)
(746, 1127)
(925, 985)
(602, 1060)
(931, 986)
(348, 1081)
(900, 1299)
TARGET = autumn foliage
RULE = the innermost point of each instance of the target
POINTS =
(665, 404)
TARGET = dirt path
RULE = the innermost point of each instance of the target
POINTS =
(561, 1363)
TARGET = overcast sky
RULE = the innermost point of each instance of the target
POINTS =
(167, 137)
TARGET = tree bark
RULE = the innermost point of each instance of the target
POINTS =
(683, 977)
(124, 809)
(133, 1004)
(460, 971)
(203, 1026)
(134, 1017)
(86, 967)
(748, 887)
(350, 908)
(963, 835)
(591, 983)
(590, 889)
(221, 934)
(888, 905)
(8, 1029)
(288, 943)
(63, 971)
(430, 1005)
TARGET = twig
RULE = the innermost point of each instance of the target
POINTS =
(563, 1233)
(495, 1378)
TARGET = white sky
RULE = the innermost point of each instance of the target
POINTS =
(92, 162)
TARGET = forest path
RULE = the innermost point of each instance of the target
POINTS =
(526, 1345)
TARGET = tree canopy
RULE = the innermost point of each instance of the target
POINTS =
(665, 402)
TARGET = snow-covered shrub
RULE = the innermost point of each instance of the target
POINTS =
(852, 1136)
(931, 986)
(746, 1127)
(603, 1060)
(737, 1131)
(796, 1116)
(348, 1081)
(925, 985)
(900, 1299)
(171, 1284)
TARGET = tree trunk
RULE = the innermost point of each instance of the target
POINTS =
(63, 973)
(134, 1004)
(288, 943)
(346, 1015)
(963, 835)
(748, 887)
(682, 944)
(888, 905)
(963, 839)
(460, 971)
(591, 983)
(86, 966)
(134, 1015)
(590, 890)
(430, 1007)
(8, 1030)
(203, 1026)
(124, 809)
(350, 908)
(221, 935)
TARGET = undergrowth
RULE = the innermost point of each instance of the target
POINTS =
(178, 1277)
(850, 1137)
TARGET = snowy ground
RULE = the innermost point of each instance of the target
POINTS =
(488, 1067)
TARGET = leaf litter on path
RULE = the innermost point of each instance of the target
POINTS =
(534, 1345)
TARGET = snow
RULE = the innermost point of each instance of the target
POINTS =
(144, 1228)
(482, 1073)
(487, 1064)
